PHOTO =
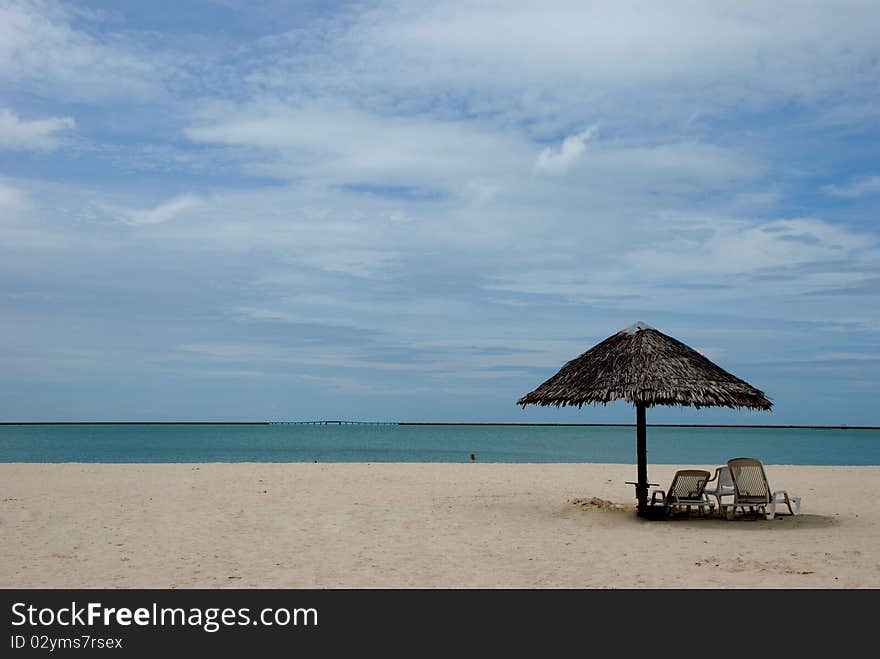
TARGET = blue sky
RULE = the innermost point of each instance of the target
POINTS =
(383, 211)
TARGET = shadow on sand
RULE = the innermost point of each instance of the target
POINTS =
(753, 522)
(694, 519)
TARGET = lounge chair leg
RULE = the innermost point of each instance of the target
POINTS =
(770, 510)
(731, 512)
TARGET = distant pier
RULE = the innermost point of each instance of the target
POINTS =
(334, 423)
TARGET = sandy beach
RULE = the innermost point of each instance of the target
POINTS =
(305, 525)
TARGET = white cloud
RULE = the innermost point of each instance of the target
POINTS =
(37, 134)
(252, 353)
(674, 167)
(705, 248)
(42, 49)
(327, 144)
(164, 212)
(558, 160)
(11, 199)
(869, 185)
(567, 61)
(336, 144)
(684, 261)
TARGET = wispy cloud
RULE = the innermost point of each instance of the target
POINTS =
(684, 260)
(11, 199)
(862, 187)
(333, 143)
(37, 134)
(555, 160)
(45, 48)
(165, 211)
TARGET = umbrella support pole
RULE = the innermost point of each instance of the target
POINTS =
(642, 452)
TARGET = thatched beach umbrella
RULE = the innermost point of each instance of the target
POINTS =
(646, 368)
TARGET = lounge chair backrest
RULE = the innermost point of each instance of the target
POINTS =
(724, 477)
(688, 484)
(749, 481)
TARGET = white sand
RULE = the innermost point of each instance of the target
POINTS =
(416, 525)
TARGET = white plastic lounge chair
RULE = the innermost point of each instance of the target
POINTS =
(720, 485)
(752, 491)
(686, 491)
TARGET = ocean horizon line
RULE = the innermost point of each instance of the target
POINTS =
(842, 426)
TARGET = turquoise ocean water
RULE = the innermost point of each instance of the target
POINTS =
(430, 443)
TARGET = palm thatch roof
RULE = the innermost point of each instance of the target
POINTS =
(645, 367)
